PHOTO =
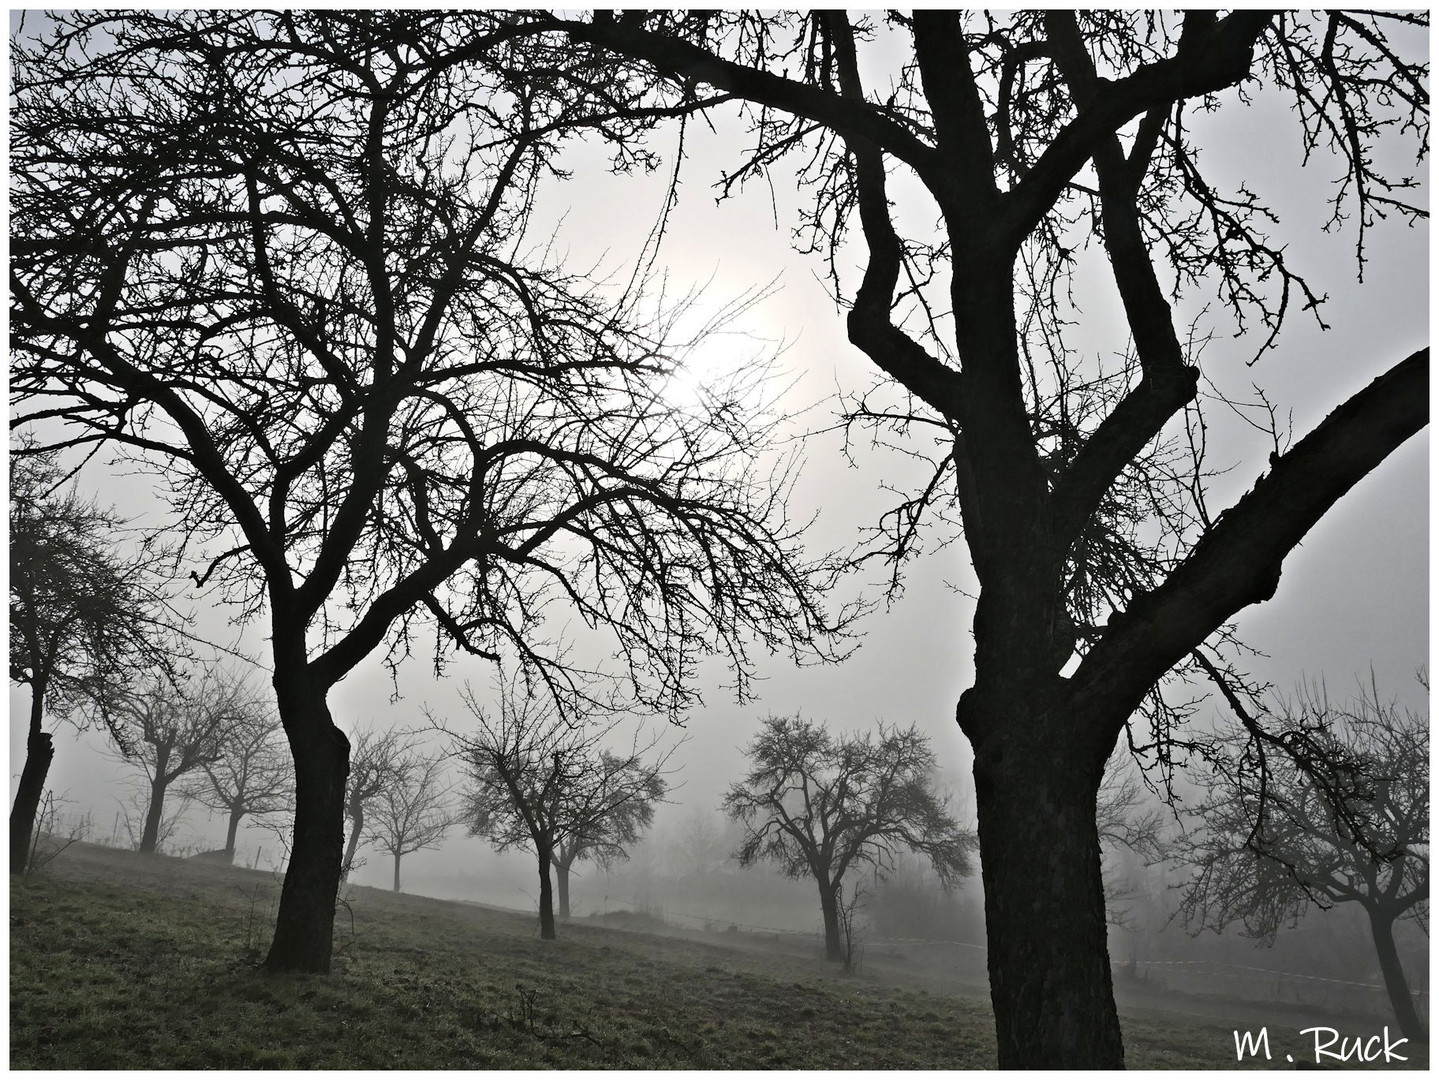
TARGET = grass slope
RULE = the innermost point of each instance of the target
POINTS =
(121, 961)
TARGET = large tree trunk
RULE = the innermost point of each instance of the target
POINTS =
(231, 833)
(397, 871)
(304, 924)
(829, 905)
(1044, 907)
(547, 906)
(1381, 926)
(39, 753)
(562, 887)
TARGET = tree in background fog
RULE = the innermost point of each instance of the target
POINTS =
(413, 811)
(1126, 817)
(1272, 838)
(378, 760)
(170, 730)
(609, 839)
(972, 172)
(85, 621)
(252, 777)
(537, 781)
(822, 805)
(282, 262)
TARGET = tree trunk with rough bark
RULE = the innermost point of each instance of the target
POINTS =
(356, 812)
(562, 888)
(39, 753)
(232, 832)
(305, 922)
(150, 837)
(829, 905)
(1381, 927)
(547, 905)
(1049, 965)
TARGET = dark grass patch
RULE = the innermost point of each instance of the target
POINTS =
(119, 962)
(110, 976)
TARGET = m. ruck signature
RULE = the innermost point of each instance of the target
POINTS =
(1329, 1046)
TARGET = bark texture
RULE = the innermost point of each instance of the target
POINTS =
(305, 921)
(1381, 927)
(39, 753)
(547, 902)
(562, 888)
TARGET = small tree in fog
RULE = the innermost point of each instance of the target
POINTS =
(538, 782)
(253, 775)
(1126, 819)
(604, 836)
(83, 619)
(414, 812)
(821, 805)
(169, 731)
(377, 764)
(1274, 839)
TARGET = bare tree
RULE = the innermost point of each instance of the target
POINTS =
(1270, 842)
(539, 782)
(253, 776)
(378, 761)
(414, 811)
(975, 165)
(822, 805)
(84, 620)
(1126, 818)
(281, 260)
(606, 831)
(168, 731)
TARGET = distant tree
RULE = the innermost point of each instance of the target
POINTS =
(253, 775)
(135, 818)
(701, 844)
(1126, 818)
(84, 620)
(537, 781)
(1273, 838)
(414, 811)
(822, 805)
(377, 764)
(171, 730)
(280, 259)
(610, 833)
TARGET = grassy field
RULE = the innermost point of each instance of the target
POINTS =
(123, 961)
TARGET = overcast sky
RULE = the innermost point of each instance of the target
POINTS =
(1355, 593)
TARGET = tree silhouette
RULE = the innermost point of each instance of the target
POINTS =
(540, 782)
(84, 620)
(252, 777)
(1269, 841)
(172, 730)
(823, 806)
(978, 164)
(378, 764)
(414, 812)
(282, 261)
